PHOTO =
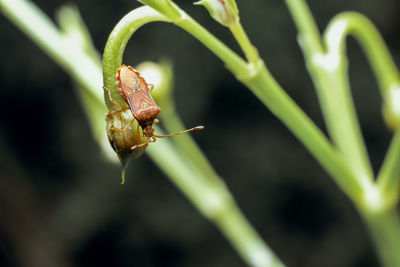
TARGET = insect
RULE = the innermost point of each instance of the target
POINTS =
(136, 93)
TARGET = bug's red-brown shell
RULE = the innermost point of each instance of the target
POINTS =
(135, 91)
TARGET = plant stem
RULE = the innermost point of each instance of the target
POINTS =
(385, 231)
(309, 35)
(362, 29)
(339, 112)
(234, 225)
(329, 73)
(351, 23)
(116, 43)
(389, 176)
(240, 35)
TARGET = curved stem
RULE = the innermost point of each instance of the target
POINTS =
(329, 73)
(116, 43)
(351, 23)
(361, 28)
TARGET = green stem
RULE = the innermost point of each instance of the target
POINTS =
(310, 40)
(240, 35)
(361, 28)
(385, 231)
(329, 73)
(339, 112)
(383, 65)
(116, 43)
(389, 176)
(351, 23)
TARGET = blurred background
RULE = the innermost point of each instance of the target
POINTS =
(61, 202)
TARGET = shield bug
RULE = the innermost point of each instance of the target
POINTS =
(136, 93)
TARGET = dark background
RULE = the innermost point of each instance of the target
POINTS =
(61, 202)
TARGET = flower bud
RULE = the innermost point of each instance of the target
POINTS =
(223, 11)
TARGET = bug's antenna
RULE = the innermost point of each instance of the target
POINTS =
(153, 137)
(185, 131)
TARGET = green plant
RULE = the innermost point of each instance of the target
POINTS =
(345, 158)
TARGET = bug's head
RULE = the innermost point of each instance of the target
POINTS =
(148, 130)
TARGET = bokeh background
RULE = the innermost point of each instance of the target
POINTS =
(61, 202)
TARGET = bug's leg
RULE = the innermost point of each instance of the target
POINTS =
(150, 140)
(140, 145)
(138, 134)
(151, 87)
(112, 99)
(123, 129)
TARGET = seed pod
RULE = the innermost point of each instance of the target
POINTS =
(123, 133)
